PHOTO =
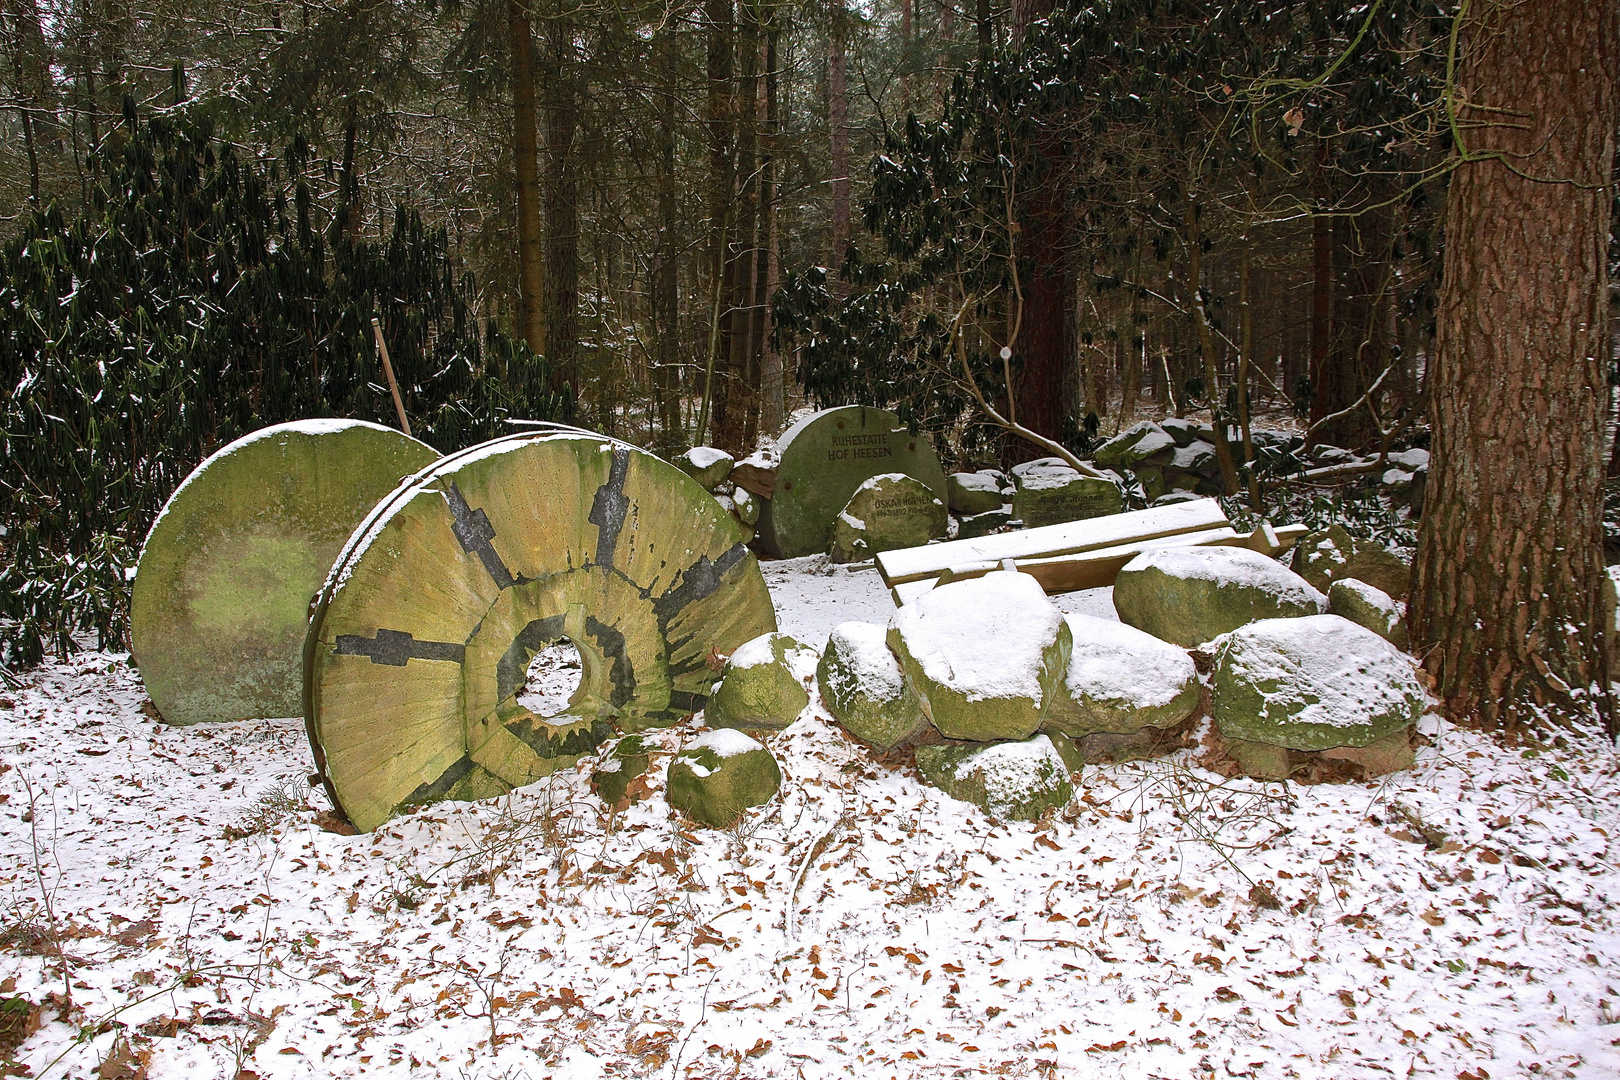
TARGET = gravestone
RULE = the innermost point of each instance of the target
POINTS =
(887, 512)
(225, 577)
(824, 459)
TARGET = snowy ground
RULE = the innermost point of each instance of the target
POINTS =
(1456, 921)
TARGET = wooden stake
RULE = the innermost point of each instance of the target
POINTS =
(388, 370)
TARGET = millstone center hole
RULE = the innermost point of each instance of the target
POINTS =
(552, 678)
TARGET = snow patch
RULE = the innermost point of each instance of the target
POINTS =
(982, 637)
(1230, 566)
(1115, 662)
(725, 743)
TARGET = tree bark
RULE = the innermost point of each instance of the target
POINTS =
(562, 206)
(1506, 588)
(665, 283)
(838, 133)
(526, 164)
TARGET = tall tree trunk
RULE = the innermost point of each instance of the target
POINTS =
(526, 164)
(1506, 588)
(719, 125)
(1206, 350)
(773, 403)
(735, 403)
(838, 132)
(665, 283)
(562, 204)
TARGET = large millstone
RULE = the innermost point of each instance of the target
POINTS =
(224, 582)
(824, 458)
(421, 638)
(984, 655)
(1314, 683)
(1190, 595)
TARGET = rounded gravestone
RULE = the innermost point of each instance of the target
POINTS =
(223, 586)
(421, 639)
(886, 512)
(824, 458)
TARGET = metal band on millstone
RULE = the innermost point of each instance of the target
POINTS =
(825, 457)
(420, 641)
(223, 587)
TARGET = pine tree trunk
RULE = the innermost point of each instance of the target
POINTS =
(562, 206)
(526, 164)
(1506, 589)
(665, 283)
(838, 133)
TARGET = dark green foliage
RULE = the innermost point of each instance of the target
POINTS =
(206, 295)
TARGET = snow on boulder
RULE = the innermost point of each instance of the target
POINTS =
(1017, 781)
(1189, 595)
(720, 774)
(1328, 554)
(888, 511)
(864, 689)
(985, 655)
(974, 492)
(763, 685)
(708, 466)
(1050, 492)
(1367, 606)
(1185, 432)
(1135, 445)
(1312, 684)
(1121, 680)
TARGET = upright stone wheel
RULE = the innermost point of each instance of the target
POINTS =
(825, 457)
(223, 587)
(419, 643)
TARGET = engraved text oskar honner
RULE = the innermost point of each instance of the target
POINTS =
(860, 446)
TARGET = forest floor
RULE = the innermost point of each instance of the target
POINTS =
(1456, 920)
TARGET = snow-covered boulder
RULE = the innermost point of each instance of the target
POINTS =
(1050, 492)
(974, 525)
(720, 774)
(1314, 683)
(1367, 606)
(1189, 595)
(864, 689)
(1328, 554)
(974, 492)
(888, 511)
(1134, 445)
(985, 655)
(745, 504)
(708, 466)
(1121, 680)
(1014, 780)
(1185, 432)
(763, 685)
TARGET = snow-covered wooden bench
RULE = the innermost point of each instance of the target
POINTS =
(1076, 554)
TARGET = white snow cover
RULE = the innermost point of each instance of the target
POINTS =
(982, 637)
(852, 521)
(725, 742)
(1007, 769)
(1195, 455)
(1230, 565)
(1614, 583)
(1047, 477)
(1153, 442)
(766, 457)
(1412, 460)
(1385, 604)
(882, 478)
(978, 481)
(1118, 924)
(1115, 662)
(1342, 672)
(703, 457)
(1394, 477)
(1039, 463)
(755, 652)
(864, 648)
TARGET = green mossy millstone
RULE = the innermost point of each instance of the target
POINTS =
(1017, 781)
(1328, 554)
(1366, 606)
(973, 493)
(1120, 680)
(612, 779)
(985, 656)
(1050, 494)
(1191, 595)
(719, 775)
(708, 466)
(887, 512)
(222, 591)
(1313, 683)
(983, 524)
(864, 689)
(824, 458)
(421, 639)
(763, 685)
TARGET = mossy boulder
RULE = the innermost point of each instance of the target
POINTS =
(1121, 680)
(1189, 595)
(719, 775)
(1312, 683)
(1328, 554)
(982, 524)
(984, 655)
(1367, 606)
(1018, 781)
(707, 465)
(1134, 445)
(614, 780)
(886, 512)
(763, 685)
(864, 689)
(1050, 492)
(974, 492)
